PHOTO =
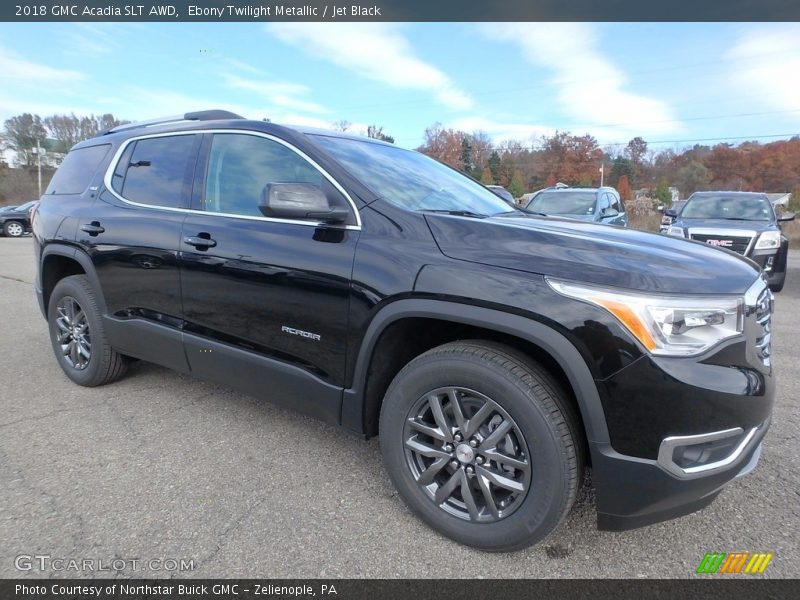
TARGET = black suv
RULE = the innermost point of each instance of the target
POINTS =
(743, 222)
(497, 353)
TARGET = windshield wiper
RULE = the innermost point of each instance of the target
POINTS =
(457, 213)
(532, 212)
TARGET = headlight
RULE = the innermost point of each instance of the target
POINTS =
(676, 231)
(769, 240)
(665, 325)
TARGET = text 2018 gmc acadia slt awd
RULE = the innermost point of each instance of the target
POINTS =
(497, 353)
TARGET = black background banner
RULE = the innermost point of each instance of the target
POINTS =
(706, 587)
(401, 10)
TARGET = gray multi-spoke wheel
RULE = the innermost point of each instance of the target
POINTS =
(13, 229)
(482, 444)
(77, 334)
(467, 454)
(74, 335)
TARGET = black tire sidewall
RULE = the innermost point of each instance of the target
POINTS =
(542, 508)
(75, 286)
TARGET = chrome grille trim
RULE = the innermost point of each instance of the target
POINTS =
(759, 305)
(743, 234)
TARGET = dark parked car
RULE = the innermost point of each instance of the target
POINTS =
(497, 353)
(16, 222)
(503, 193)
(743, 222)
(670, 214)
(600, 205)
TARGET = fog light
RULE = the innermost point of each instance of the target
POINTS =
(694, 455)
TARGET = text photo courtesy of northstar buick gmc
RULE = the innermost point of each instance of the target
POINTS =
(497, 353)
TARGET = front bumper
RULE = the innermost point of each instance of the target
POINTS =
(634, 492)
(680, 429)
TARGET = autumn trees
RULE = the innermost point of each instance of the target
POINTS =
(517, 166)
(26, 134)
(56, 133)
(576, 159)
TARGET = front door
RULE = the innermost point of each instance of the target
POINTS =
(265, 300)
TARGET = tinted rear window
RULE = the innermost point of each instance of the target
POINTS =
(76, 172)
(154, 171)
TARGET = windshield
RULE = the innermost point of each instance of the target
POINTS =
(563, 203)
(411, 179)
(753, 208)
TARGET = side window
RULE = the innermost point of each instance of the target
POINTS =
(240, 166)
(77, 170)
(154, 170)
(603, 204)
(616, 203)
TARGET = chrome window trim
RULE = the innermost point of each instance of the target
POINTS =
(108, 180)
(668, 445)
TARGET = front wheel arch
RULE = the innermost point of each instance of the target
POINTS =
(579, 378)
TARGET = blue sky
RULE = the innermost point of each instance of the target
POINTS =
(663, 81)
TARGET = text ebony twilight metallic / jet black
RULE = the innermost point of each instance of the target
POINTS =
(497, 353)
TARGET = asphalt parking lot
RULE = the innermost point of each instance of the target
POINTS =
(161, 466)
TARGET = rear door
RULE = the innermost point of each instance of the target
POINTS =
(265, 299)
(132, 232)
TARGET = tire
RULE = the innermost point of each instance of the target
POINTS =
(13, 229)
(776, 283)
(75, 326)
(540, 449)
(778, 287)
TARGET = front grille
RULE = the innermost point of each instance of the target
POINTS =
(736, 243)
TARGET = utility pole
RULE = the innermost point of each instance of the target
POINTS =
(39, 165)
(601, 174)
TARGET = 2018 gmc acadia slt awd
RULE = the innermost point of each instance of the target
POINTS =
(497, 353)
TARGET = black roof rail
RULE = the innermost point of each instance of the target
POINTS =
(200, 115)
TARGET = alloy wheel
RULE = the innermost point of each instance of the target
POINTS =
(73, 333)
(14, 229)
(467, 454)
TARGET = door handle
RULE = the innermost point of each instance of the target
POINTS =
(200, 241)
(92, 228)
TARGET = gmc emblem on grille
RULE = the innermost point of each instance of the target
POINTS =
(722, 243)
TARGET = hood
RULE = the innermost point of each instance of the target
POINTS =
(758, 226)
(593, 253)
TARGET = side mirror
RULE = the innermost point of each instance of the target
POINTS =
(671, 212)
(303, 201)
(609, 212)
(787, 216)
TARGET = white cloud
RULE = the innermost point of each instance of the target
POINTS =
(14, 68)
(277, 93)
(377, 51)
(587, 85)
(766, 62)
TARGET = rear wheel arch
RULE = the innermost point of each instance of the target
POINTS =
(361, 404)
(59, 261)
